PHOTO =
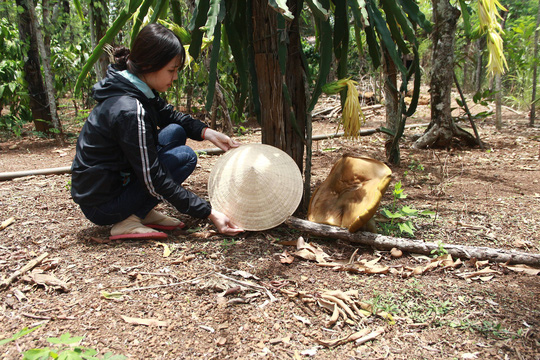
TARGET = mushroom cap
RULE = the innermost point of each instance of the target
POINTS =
(351, 193)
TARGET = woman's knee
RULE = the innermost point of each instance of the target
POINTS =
(172, 135)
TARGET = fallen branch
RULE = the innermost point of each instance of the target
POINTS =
(24, 269)
(382, 242)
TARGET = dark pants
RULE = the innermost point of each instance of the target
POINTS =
(173, 153)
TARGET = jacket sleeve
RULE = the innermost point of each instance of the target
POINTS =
(168, 115)
(138, 143)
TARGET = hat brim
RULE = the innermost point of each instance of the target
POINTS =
(257, 186)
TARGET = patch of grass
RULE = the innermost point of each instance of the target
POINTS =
(227, 243)
(65, 347)
(487, 328)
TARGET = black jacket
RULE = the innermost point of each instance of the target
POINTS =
(119, 137)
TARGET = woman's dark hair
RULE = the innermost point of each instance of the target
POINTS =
(154, 47)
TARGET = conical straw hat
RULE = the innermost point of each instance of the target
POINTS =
(257, 186)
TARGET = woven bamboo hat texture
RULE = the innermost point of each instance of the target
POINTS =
(257, 186)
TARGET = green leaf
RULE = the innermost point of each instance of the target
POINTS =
(183, 34)
(404, 23)
(37, 354)
(317, 9)
(387, 131)
(21, 333)
(69, 354)
(413, 12)
(325, 61)
(281, 7)
(408, 211)
(416, 88)
(428, 213)
(341, 39)
(212, 75)
(198, 20)
(139, 16)
(117, 25)
(212, 18)
(79, 10)
(234, 24)
(65, 339)
(160, 10)
(373, 46)
(385, 35)
(466, 16)
(407, 228)
(393, 25)
(390, 215)
(133, 5)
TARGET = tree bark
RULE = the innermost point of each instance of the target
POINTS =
(498, 102)
(100, 15)
(282, 115)
(382, 242)
(49, 83)
(479, 75)
(393, 110)
(265, 47)
(295, 135)
(442, 128)
(32, 73)
(535, 68)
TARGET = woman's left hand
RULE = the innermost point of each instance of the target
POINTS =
(221, 140)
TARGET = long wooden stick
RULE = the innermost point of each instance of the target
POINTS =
(24, 269)
(382, 242)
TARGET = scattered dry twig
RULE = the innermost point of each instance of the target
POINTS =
(24, 269)
(164, 285)
(6, 223)
(247, 284)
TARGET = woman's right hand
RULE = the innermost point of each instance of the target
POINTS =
(224, 224)
(221, 140)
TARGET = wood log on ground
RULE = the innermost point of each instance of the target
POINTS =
(382, 242)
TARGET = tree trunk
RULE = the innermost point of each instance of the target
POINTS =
(269, 80)
(535, 68)
(382, 242)
(100, 16)
(278, 117)
(498, 102)
(479, 75)
(46, 63)
(46, 16)
(32, 73)
(393, 111)
(296, 110)
(442, 128)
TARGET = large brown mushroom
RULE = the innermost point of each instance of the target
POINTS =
(351, 194)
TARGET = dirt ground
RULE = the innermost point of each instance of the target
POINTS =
(217, 297)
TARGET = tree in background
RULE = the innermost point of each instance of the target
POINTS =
(39, 104)
(442, 129)
(535, 69)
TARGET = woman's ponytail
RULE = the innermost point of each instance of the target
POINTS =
(121, 55)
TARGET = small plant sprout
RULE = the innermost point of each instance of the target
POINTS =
(440, 251)
(400, 217)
